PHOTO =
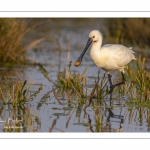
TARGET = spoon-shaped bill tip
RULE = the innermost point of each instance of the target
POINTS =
(79, 60)
(77, 63)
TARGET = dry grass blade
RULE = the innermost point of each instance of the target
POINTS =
(79, 94)
(92, 93)
(56, 97)
(13, 32)
(2, 96)
(31, 45)
(68, 96)
(82, 75)
(67, 123)
(45, 73)
(91, 96)
(53, 124)
(34, 94)
(36, 25)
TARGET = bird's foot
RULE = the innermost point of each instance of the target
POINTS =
(111, 88)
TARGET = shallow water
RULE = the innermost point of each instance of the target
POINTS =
(45, 114)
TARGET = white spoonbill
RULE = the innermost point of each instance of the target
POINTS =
(108, 57)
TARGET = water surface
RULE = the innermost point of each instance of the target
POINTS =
(44, 113)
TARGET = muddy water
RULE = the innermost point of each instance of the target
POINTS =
(44, 113)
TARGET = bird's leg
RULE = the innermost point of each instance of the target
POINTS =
(110, 98)
(110, 82)
(109, 78)
(123, 80)
(113, 86)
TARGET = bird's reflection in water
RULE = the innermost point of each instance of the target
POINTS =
(105, 119)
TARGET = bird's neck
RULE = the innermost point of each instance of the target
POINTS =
(96, 46)
(95, 51)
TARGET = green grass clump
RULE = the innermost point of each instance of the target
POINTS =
(18, 94)
(68, 81)
(137, 87)
(73, 82)
(12, 39)
(99, 91)
(102, 88)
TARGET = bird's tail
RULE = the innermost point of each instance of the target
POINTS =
(130, 48)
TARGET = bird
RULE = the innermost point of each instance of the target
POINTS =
(108, 57)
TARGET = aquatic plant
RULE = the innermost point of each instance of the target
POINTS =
(99, 91)
(68, 81)
(137, 87)
(18, 94)
(21, 120)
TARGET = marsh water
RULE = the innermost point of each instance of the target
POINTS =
(44, 113)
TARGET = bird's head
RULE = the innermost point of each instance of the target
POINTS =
(94, 37)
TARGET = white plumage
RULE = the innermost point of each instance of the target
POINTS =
(108, 57)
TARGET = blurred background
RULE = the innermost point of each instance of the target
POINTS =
(21, 35)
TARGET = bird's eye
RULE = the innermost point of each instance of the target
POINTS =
(93, 36)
